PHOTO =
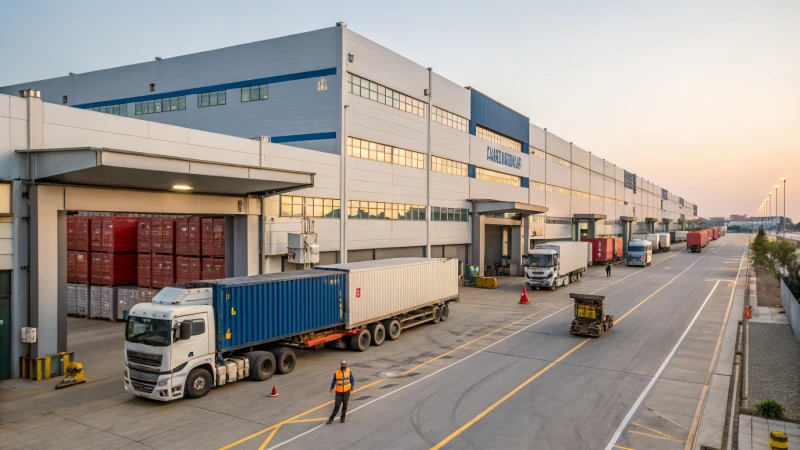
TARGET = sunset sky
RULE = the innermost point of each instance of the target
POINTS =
(701, 97)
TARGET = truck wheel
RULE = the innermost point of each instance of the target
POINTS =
(285, 359)
(437, 314)
(378, 333)
(567, 279)
(393, 329)
(361, 340)
(444, 312)
(198, 383)
(262, 365)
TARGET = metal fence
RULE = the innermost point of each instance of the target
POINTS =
(792, 308)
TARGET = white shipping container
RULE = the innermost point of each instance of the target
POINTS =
(72, 299)
(385, 288)
(680, 236)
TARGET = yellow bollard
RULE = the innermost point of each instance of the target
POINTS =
(778, 440)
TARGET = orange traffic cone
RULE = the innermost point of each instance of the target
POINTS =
(274, 392)
(523, 299)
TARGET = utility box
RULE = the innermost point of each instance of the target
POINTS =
(28, 335)
(302, 247)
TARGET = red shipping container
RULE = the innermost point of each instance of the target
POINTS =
(182, 239)
(187, 269)
(602, 249)
(82, 233)
(207, 269)
(163, 271)
(219, 268)
(96, 233)
(207, 236)
(194, 236)
(219, 237)
(83, 268)
(72, 235)
(144, 274)
(72, 255)
(618, 250)
(144, 243)
(162, 232)
(119, 234)
(113, 269)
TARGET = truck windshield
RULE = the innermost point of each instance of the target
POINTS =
(148, 331)
(636, 248)
(540, 260)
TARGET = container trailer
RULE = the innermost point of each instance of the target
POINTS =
(602, 249)
(680, 236)
(619, 251)
(200, 335)
(696, 240)
(663, 242)
(556, 264)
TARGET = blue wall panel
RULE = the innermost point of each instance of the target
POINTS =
(490, 114)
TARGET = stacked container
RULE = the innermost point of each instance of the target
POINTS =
(602, 249)
(113, 269)
(187, 268)
(162, 271)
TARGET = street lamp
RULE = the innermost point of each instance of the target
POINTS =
(784, 205)
(776, 209)
(769, 206)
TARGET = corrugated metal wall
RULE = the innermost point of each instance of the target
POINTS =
(490, 114)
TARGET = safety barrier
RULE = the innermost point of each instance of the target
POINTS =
(38, 369)
(486, 282)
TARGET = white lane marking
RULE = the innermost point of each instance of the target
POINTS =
(468, 356)
(653, 380)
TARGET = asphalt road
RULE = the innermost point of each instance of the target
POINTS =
(495, 375)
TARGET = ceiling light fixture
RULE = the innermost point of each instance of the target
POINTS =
(182, 187)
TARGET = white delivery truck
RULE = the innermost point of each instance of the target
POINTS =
(556, 264)
(663, 242)
(680, 236)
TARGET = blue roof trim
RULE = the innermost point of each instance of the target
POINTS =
(525, 182)
(302, 137)
(471, 170)
(217, 87)
(525, 148)
(491, 114)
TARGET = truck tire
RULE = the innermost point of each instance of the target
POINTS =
(444, 312)
(566, 281)
(393, 329)
(285, 359)
(378, 333)
(262, 365)
(361, 340)
(437, 315)
(198, 383)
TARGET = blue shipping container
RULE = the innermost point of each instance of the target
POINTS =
(264, 308)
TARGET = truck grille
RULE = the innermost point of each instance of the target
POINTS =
(145, 359)
(143, 376)
(142, 387)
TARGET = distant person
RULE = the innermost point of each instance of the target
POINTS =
(343, 382)
(608, 269)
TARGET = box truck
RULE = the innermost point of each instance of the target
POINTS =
(556, 264)
(696, 240)
(640, 252)
(204, 334)
(663, 242)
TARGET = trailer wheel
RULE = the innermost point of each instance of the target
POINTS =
(444, 312)
(378, 333)
(285, 359)
(437, 314)
(393, 329)
(198, 383)
(262, 365)
(361, 340)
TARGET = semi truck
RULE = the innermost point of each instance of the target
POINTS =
(654, 238)
(205, 334)
(696, 240)
(556, 264)
(640, 252)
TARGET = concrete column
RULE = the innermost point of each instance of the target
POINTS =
(526, 235)
(245, 246)
(576, 231)
(591, 229)
(517, 241)
(626, 237)
(478, 245)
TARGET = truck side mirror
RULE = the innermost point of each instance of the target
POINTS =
(185, 330)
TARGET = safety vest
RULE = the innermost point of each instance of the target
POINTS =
(343, 380)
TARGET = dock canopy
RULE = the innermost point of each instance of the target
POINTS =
(482, 206)
(105, 167)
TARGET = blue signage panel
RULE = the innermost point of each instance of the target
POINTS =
(500, 157)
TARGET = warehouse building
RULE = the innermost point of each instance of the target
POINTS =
(268, 132)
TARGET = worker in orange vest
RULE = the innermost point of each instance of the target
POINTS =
(343, 382)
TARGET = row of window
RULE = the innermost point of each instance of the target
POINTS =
(117, 110)
(381, 94)
(450, 214)
(215, 98)
(581, 169)
(359, 209)
(498, 139)
(449, 119)
(557, 160)
(161, 105)
(557, 189)
(497, 177)
(255, 93)
(449, 166)
(296, 206)
(537, 153)
(361, 148)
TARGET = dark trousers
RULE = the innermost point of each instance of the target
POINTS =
(608, 271)
(341, 400)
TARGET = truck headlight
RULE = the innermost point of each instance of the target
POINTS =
(163, 382)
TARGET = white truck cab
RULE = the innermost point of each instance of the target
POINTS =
(542, 270)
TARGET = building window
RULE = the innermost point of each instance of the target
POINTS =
(449, 166)
(580, 194)
(449, 119)
(359, 209)
(598, 175)
(381, 94)
(64, 99)
(360, 148)
(322, 84)
(449, 214)
(295, 206)
(535, 185)
(162, 105)
(117, 110)
(215, 98)
(497, 177)
(558, 160)
(558, 220)
(597, 197)
(255, 93)
(558, 190)
(581, 169)
(537, 218)
(498, 139)
(152, 87)
(537, 153)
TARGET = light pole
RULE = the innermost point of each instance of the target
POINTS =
(769, 206)
(784, 205)
(776, 209)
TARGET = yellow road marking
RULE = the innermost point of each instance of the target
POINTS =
(654, 431)
(269, 438)
(309, 420)
(667, 419)
(623, 448)
(549, 366)
(293, 419)
(654, 436)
